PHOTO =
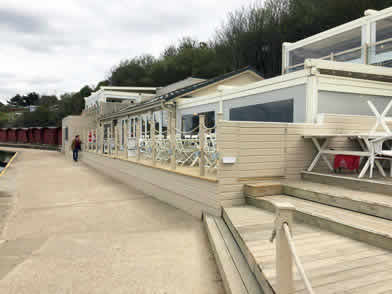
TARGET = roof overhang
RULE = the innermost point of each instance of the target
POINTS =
(135, 109)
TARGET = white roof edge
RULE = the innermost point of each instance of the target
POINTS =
(129, 88)
(375, 15)
(128, 93)
(349, 67)
(294, 78)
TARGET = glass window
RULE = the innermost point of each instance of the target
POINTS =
(323, 49)
(106, 131)
(381, 52)
(280, 111)
(66, 134)
(191, 121)
(384, 29)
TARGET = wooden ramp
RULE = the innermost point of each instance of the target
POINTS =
(333, 263)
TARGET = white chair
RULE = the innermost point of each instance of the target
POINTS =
(381, 119)
(379, 153)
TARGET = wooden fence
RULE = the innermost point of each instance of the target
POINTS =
(274, 151)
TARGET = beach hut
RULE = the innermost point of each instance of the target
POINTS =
(59, 136)
(21, 135)
(50, 136)
(3, 135)
(37, 135)
(30, 137)
(11, 135)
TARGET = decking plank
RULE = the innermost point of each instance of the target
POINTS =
(333, 263)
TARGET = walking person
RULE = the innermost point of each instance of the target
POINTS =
(75, 147)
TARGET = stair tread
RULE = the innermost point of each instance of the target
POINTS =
(341, 192)
(230, 275)
(333, 263)
(236, 274)
(355, 219)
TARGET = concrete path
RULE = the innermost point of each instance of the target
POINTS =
(75, 231)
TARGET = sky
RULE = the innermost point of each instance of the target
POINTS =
(52, 47)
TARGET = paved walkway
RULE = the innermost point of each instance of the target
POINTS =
(75, 231)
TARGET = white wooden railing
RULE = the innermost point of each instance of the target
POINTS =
(175, 147)
(285, 251)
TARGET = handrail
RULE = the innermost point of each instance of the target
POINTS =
(381, 42)
(296, 259)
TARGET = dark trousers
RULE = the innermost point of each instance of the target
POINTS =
(75, 154)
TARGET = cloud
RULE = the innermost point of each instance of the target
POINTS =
(21, 21)
(60, 46)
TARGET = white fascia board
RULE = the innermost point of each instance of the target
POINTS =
(130, 88)
(127, 94)
(341, 29)
(356, 86)
(349, 67)
(276, 83)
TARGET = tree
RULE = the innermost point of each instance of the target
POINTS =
(31, 99)
(48, 100)
(15, 101)
(25, 100)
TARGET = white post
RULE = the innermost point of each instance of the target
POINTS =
(160, 122)
(201, 144)
(218, 129)
(152, 136)
(101, 139)
(126, 137)
(172, 134)
(138, 130)
(116, 138)
(96, 140)
(366, 53)
(110, 138)
(284, 260)
(85, 132)
(145, 127)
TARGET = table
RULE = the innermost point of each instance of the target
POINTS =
(322, 148)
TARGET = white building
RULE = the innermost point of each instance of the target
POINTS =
(131, 95)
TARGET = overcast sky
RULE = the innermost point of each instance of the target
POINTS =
(53, 47)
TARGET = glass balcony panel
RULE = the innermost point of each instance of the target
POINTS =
(354, 56)
(381, 51)
(335, 44)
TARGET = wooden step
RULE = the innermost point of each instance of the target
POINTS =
(358, 226)
(235, 272)
(333, 263)
(365, 184)
(365, 202)
(263, 189)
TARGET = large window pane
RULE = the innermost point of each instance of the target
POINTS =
(191, 122)
(280, 111)
(323, 49)
(381, 52)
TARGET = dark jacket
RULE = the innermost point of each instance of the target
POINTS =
(76, 144)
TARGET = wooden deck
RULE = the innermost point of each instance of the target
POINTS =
(333, 263)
